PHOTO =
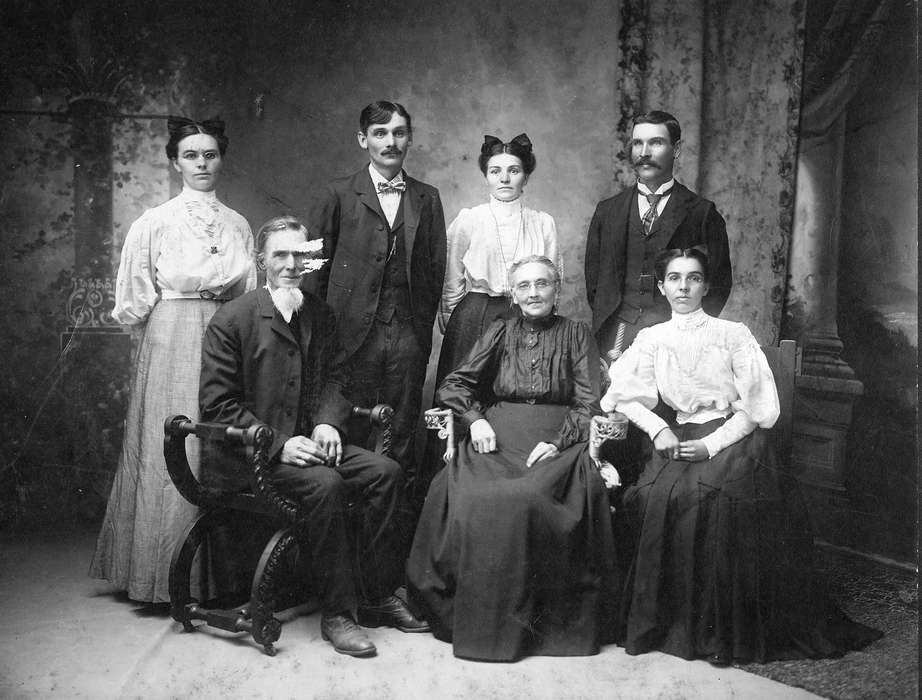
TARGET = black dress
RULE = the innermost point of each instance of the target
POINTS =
(509, 561)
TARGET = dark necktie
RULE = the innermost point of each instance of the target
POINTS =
(650, 215)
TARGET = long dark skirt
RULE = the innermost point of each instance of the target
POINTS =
(723, 561)
(509, 561)
(470, 317)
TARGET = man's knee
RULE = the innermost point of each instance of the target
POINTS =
(313, 484)
(389, 470)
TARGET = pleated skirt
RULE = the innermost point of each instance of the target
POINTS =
(722, 561)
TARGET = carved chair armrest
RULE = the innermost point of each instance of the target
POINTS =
(256, 440)
(602, 429)
(380, 417)
(443, 420)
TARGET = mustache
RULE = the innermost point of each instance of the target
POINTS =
(391, 152)
(646, 161)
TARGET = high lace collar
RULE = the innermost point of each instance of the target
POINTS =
(190, 195)
(687, 322)
(506, 209)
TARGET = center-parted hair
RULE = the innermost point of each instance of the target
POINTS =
(520, 147)
(541, 260)
(381, 112)
(278, 223)
(664, 257)
(179, 128)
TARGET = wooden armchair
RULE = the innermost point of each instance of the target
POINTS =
(220, 507)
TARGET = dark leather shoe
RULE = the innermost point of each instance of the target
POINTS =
(391, 612)
(346, 636)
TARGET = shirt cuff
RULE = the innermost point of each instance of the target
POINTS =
(735, 429)
(643, 418)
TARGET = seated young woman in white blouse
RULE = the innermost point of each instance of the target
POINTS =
(721, 560)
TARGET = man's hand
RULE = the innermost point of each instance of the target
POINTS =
(300, 451)
(543, 450)
(330, 442)
(667, 444)
(482, 436)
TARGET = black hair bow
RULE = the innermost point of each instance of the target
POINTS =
(491, 142)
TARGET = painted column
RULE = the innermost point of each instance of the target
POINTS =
(826, 389)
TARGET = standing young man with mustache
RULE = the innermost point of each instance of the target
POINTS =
(628, 230)
(384, 233)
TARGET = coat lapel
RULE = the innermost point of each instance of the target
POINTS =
(365, 190)
(412, 204)
(274, 318)
(674, 213)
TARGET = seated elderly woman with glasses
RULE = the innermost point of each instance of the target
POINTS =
(514, 553)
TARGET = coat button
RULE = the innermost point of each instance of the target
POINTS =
(291, 353)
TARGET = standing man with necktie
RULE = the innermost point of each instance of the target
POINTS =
(629, 229)
(384, 233)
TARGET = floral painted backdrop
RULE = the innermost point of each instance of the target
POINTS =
(730, 71)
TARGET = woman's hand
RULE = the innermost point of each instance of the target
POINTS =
(667, 444)
(693, 451)
(543, 450)
(482, 436)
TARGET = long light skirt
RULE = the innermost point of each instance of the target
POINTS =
(146, 515)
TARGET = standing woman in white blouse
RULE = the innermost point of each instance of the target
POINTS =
(483, 242)
(179, 262)
(722, 562)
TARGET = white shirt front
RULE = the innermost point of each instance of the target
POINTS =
(190, 244)
(704, 368)
(643, 203)
(484, 241)
(390, 201)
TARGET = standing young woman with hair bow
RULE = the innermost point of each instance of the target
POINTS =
(179, 262)
(483, 243)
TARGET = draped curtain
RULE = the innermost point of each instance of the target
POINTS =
(730, 72)
(841, 48)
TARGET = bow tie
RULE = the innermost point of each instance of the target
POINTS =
(385, 187)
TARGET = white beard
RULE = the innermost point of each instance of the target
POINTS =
(287, 300)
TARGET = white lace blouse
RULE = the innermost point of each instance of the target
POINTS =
(483, 242)
(183, 248)
(703, 367)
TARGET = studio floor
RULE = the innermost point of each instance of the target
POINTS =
(64, 635)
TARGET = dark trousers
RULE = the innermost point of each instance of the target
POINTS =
(390, 368)
(346, 569)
